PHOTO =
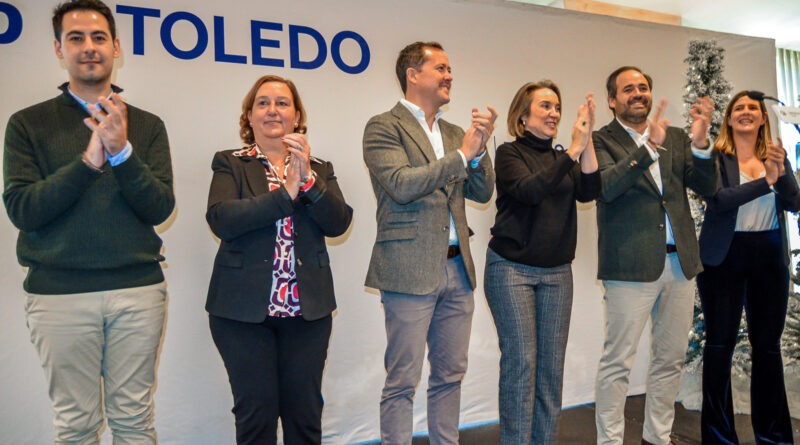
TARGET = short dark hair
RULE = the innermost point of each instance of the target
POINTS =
(412, 56)
(90, 5)
(611, 83)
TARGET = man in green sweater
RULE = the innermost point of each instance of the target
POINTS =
(86, 177)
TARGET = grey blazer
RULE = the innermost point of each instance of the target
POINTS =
(630, 211)
(416, 194)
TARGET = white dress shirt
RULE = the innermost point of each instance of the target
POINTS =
(435, 138)
(655, 169)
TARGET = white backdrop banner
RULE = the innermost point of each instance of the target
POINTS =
(192, 62)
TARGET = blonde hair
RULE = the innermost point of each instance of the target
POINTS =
(724, 142)
(521, 105)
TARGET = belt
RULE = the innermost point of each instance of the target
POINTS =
(671, 248)
(453, 251)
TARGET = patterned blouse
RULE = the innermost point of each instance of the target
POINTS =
(284, 300)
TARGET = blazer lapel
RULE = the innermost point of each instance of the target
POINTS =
(451, 143)
(665, 165)
(731, 165)
(626, 142)
(255, 175)
(409, 123)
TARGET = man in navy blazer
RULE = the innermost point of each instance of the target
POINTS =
(422, 169)
(647, 248)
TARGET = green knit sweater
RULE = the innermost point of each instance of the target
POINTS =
(82, 230)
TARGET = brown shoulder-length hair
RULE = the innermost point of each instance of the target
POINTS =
(521, 105)
(245, 131)
(724, 142)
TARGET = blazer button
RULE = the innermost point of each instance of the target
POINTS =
(661, 227)
(664, 203)
(444, 229)
(300, 262)
(633, 163)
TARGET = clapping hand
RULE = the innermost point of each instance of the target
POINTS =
(297, 144)
(701, 118)
(658, 124)
(94, 154)
(582, 128)
(110, 121)
(774, 165)
(292, 176)
(478, 133)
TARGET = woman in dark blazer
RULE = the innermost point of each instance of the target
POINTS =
(271, 293)
(528, 282)
(745, 257)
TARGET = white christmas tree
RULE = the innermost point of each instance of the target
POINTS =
(704, 78)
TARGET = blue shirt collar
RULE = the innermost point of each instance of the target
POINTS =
(86, 104)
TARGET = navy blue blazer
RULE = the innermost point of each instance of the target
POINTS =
(242, 212)
(723, 207)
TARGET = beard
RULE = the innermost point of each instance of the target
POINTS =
(638, 116)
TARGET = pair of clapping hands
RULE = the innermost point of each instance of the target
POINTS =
(109, 125)
(582, 129)
(774, 163)
(298, 171)
(478, 133)
(701, 118)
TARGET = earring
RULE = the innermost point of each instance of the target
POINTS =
(251, 124)
(295, 125)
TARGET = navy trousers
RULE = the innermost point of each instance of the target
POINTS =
(752, 276)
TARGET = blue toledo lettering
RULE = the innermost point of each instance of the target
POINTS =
(14, 29)
(138, 23)
(219, 44)
(336, 54)
(294, 48)
(257, 40)
(166, 35)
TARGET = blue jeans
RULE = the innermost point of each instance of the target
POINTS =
(531, 309)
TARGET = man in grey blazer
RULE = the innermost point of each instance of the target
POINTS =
(648, 254)
(422, 168)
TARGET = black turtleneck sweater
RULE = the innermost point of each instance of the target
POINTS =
(537, 221)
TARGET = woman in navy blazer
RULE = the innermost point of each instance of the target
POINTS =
(745, 257)
(271, 293)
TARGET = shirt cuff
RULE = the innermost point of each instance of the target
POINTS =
(477, 159)
(702, 153)
(463, 158)
(122, 156)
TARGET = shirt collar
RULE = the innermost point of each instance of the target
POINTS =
(637, 137)
(85, 104)
(418, 112)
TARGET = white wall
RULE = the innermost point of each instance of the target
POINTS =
(494, 47)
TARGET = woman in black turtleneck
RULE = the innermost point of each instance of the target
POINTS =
(528, 282)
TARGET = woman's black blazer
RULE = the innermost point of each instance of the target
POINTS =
(719, 223)
(242, 212)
